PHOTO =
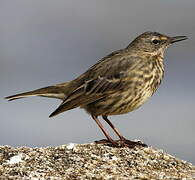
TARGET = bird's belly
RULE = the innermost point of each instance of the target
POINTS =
(125, 100)
(131, 103)
(119, 103)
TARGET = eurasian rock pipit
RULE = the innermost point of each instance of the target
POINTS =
(117, 84)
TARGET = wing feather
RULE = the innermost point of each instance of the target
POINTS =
(105, 77)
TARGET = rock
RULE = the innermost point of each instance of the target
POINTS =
(91, 161)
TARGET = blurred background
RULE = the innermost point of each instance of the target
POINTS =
(48, 42)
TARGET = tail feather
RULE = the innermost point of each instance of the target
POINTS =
(56, 91)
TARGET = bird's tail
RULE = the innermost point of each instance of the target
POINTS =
(58, 91)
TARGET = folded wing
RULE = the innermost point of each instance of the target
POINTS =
(105, 77)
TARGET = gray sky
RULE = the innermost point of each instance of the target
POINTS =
(48, 42)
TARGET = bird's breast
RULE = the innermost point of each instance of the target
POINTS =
(144, 84)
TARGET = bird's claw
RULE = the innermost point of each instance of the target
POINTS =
(107, 142)
(131, 144)
(121, 143)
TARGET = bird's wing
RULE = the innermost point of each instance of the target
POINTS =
(107, 76)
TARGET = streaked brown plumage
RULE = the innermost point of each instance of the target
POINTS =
(117, 84)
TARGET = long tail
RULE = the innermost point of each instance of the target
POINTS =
(58, 91)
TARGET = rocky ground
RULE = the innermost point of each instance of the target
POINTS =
(91, 161)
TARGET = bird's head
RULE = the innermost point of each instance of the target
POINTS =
(154, 43)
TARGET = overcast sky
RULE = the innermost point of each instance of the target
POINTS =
(47, 42)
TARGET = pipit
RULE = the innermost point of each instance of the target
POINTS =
(118, 83)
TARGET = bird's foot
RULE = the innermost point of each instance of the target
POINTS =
(121, 143)
(131, 144)
(107, 142)
(102, 141)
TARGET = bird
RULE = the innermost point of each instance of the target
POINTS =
(117, 84)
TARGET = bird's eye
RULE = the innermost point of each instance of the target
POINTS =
(155, 41)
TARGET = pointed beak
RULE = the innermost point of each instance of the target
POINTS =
(178, 38)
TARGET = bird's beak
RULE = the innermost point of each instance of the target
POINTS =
(178, 38)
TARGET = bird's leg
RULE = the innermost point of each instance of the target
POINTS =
(109, 139)
(123, 141)
(113, 127)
